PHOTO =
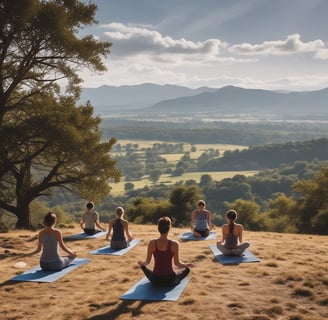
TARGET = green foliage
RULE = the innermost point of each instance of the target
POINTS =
(312, 202)
(146, 210)
(277, 206)
(248, 214)
(49, 142)
(39, 210)
(128, 186)
(269, 156)
(183, 200)
(279, 217)
(7, 221)
(320, 222)
(178, 208)
(248, 134)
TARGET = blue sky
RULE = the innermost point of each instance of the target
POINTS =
(268, 44)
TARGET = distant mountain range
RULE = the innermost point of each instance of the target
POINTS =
(110, 98)
(227, 100)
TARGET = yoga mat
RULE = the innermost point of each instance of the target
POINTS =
(226, 260)
(116, 252)
(187, 236)
(83, 235)
(36, 274)
(144, 290)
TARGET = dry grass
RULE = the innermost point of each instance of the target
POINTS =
(290, 282)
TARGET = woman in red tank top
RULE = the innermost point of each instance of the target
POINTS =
(166, 253)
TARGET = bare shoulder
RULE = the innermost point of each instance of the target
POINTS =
(58, 231)
(58, 234)
(175, 244)
(152, 245)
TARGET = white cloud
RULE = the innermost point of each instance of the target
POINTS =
(141, 54)
(322, 54)
(136, 40)
(291, 45)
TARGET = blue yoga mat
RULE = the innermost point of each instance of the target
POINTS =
(84, 235)
(187, 236)
(226, 260)
(36, 274)
(144, 290)
(116, 252)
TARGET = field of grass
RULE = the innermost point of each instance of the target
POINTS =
(142, 144)
(289, 283)
(118, 188)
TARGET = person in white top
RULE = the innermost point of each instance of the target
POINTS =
(90, 220)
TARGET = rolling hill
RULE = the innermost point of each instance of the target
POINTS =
(149, 98)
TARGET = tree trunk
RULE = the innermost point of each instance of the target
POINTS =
(23, 215)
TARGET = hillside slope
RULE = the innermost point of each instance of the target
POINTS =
(247, 101)
(290, 282)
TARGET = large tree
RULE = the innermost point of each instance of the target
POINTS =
(183, 199)
(46, 140)
(312, 202)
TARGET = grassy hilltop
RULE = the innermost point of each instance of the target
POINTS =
(290, 282)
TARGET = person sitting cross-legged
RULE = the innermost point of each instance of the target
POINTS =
(165, 251)
(232, 236)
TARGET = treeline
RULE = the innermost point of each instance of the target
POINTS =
(269, 156)
(196, 131)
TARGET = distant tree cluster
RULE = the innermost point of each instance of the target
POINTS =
(269, 156)
(199, 132)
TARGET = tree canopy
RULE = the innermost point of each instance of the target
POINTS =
(47, 141)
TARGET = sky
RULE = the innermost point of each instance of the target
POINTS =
(262, 44)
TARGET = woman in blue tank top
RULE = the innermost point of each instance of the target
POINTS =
(201, 223)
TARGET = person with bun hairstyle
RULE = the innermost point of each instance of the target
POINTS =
(165, 252)
(232, 243)
(50, 239)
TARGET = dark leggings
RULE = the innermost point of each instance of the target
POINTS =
(91, 231)
(165, 280)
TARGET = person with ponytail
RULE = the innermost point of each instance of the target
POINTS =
(232, 243)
